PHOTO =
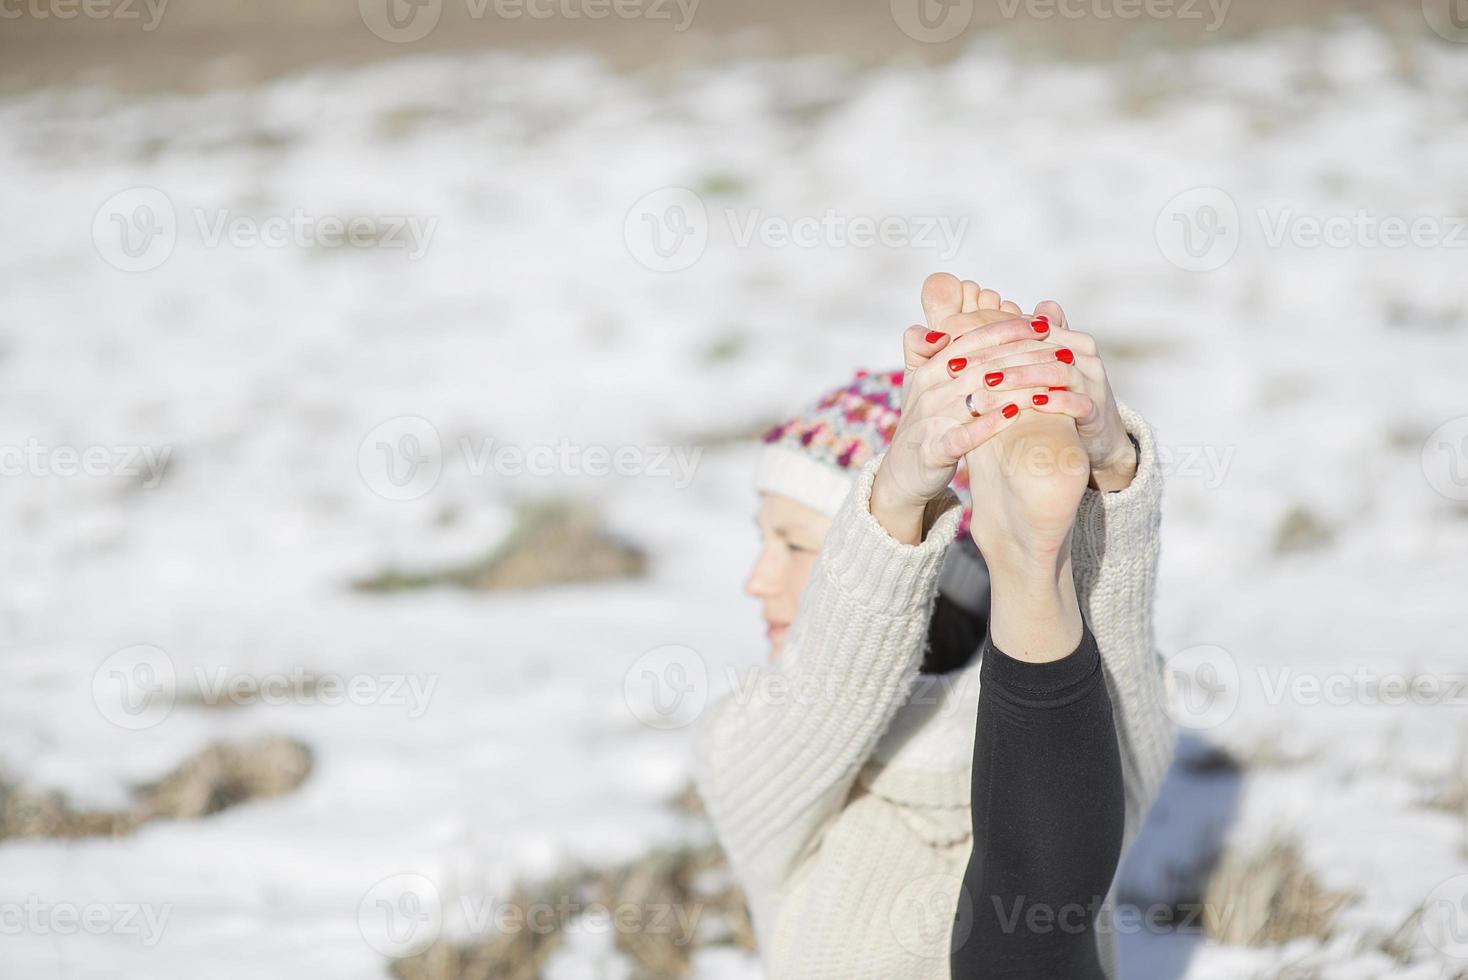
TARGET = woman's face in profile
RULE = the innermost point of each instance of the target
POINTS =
(790, 537)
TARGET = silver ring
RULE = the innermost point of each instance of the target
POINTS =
(968, 401)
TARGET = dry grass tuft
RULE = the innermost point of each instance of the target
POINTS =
(219, 777)
(553, 543)
(1267, 896)
(680, 901)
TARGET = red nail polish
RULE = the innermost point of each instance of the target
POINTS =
(1064, 356)
(1040, 324)
(957, 364)
(993, 378)
(1041, 399)
(934, 336)
(1011, 410)
(1042, 316)
(1059, 388)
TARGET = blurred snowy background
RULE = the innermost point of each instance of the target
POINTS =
(322, 381)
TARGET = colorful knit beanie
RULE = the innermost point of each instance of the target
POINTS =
(814, 458)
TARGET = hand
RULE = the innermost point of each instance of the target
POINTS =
(1077, 386)
(937, 428)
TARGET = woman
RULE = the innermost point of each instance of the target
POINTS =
(888, 815)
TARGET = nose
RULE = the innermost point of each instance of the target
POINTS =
(763, 579)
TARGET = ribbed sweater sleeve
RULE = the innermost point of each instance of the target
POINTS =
(777, 756)
(1114, 553)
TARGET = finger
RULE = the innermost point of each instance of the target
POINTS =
(919, 344)
(1074, 404)
(1043, 376)
(970, 296)
(966, 438)
(971, 335)
(1089, 367)
(1050, 310)
(1009, 307)
(942, 297)
(989, 299)
(964, 405)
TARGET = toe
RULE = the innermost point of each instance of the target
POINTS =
(989, 300)
(942, 297)
(970, 296)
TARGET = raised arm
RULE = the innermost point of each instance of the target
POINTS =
(777, 756)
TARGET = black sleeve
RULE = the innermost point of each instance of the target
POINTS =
(1048, 814)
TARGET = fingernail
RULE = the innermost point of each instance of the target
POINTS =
(934, 336)
(1059, 388)
(1010, 410)
(1041, 399)
(993, 378)
(1064, 356)
(1040, 324)
(957, 364)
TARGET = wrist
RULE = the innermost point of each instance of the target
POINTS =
(1117, 468)
(900, 515)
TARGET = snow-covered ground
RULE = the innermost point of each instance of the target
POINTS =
(509, 292)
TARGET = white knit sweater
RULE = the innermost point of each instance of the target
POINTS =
(839, 786)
